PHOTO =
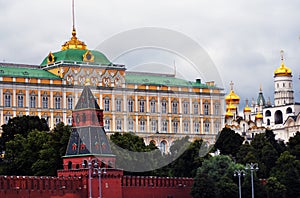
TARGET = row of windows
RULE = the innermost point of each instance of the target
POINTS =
(163, 128)
(163, 105)
(33, 101)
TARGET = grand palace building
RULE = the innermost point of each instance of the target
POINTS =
(158, 107)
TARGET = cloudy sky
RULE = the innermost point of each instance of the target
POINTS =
(242, 38)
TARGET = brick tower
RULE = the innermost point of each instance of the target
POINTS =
(88, 152)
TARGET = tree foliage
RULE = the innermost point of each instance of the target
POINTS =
(228, 142)
(21, 125)
(217, 174)
(37, 154)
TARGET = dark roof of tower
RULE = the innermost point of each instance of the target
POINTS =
(89, 140)
(87, 100)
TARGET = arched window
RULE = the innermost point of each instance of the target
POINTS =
(69, 165)
(206, 108)
(268, 121)
(163, 147)
(289, 110)
(278, 117)
(268, 113)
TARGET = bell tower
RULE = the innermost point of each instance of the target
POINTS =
(283, 82)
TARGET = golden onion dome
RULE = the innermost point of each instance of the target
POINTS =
(247, 109)
(231, 107)
(74, 43)
(232, 97)
(282, 70)
(229, 114)
(258, 116)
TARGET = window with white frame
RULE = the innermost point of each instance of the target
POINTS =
(107, 124)
(7, 100)
(70, 121)
(164, 106)
(118, 124)
(196, 108)
(175, 126)
(206, 108)
(206, 126)
(57, 102)
(142, 125)
(32, 101)
(6, 118)
(118, 105)
(130, 105)
(196, 127)
(185, 107)
(106, 104)
(57, 120)
(20, 100)
(175, 107)
(186, 126)
(164, 126)
(217, 108)
(217, 126)
(70, 102)
(152, 106)
(45, 102)
(130, 125)
(153, 125)
(142, 105)
(163, 147)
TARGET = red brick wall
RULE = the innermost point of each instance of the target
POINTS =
(158, 187)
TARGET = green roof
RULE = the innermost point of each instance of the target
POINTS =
(77, 55)
(157, 79)
(26, 72)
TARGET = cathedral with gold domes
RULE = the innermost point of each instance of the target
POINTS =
(283, 116)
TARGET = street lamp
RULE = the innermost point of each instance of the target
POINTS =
(252, 167)
(239, 173)
(93, 165)
(99, 170)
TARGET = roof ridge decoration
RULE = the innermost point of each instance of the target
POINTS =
(74, 43)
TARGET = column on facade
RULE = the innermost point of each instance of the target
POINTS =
(136, 110)
(147, 113)
(113, 110)
(64, 106)
(125, 113)
(1, 104)
(191, 114)
(27, 98)
(14, 99)
(212, 126)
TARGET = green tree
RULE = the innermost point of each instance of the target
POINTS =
(228, 142)
(275, 189)
(21, 125)
(294, 145)
(287, 171)
(132, 152)
(37, 154)
(218, 171)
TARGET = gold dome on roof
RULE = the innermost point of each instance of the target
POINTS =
(74, 43)
(247, 108)
(231, 107)
(258, 116)
(232, 97)
(228, 114)
(282, 70)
